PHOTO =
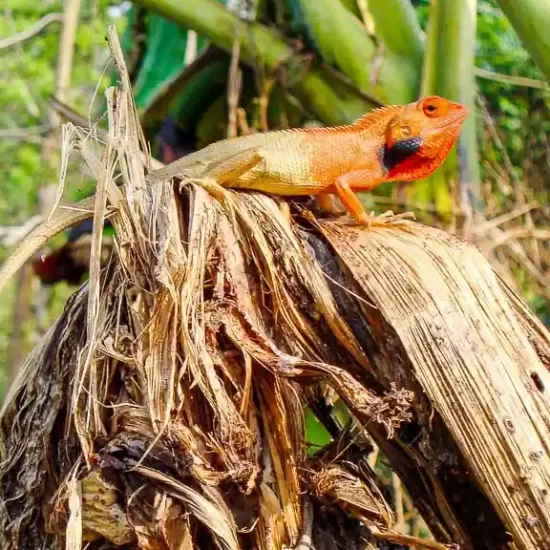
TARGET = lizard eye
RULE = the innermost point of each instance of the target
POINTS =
(430, 109)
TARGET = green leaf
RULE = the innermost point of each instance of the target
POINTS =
(164, 58)
(191, 91)
(316, 434)
(200, 93)
(352, 6)
(397, 26)
(213, 123)
(127, 40)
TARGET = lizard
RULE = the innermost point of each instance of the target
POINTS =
(392, 143)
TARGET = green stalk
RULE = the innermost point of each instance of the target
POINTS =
(531, 20)
(468, 158)
(449, 72)
(331, 99)
(351, 5)
(342, 41)
(396, 25)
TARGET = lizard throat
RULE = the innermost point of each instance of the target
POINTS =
(392, 156)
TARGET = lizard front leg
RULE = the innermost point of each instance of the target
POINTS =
(211, 175)
(363, 180)
(344, 189)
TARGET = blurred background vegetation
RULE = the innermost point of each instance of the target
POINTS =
(204, 70)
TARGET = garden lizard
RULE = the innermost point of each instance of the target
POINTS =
(401, 142)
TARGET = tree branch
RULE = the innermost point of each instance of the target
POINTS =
(31, 31)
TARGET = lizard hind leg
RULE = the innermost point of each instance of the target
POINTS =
(327, 203)
(232, 167)
(220, 173)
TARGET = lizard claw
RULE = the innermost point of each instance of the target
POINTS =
(387, 219)
(210, 185)
(214, 188)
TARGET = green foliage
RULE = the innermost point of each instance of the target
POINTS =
(166, 47)
(397, 27)
(449, 72)
(327, 96)
(27, 79)
(521, 114)
(317, 435)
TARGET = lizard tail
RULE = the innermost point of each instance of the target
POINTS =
(39, 236)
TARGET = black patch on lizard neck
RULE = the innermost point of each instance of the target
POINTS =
(401, 150)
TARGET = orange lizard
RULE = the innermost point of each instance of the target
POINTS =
(403, 142)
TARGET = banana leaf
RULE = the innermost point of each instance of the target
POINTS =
(164, 58)
(191, 91)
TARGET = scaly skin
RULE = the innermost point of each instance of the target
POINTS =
(404, 143)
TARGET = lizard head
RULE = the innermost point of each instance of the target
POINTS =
(418, 138)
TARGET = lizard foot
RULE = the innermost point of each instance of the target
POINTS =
(214, 188)
(387, 219)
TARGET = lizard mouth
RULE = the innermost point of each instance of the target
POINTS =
(459, 116)
(455, 119)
